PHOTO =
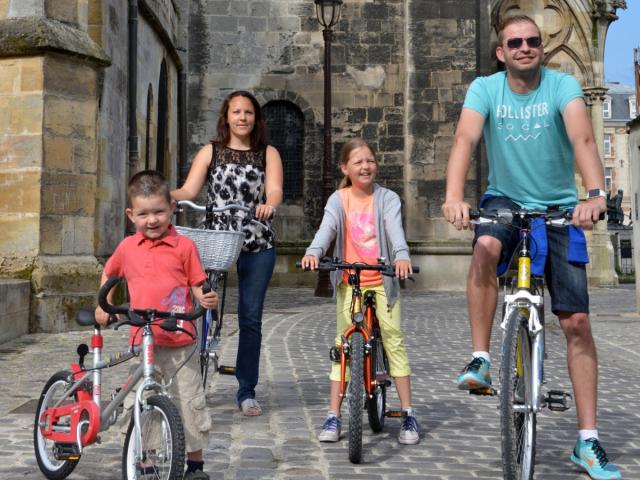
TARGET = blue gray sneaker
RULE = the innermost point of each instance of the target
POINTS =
(475, 375)
(410, 429)
(590, 455)
(330, 429)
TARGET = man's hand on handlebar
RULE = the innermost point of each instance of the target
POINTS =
(309, 262)
(587, 213)
(457, 213)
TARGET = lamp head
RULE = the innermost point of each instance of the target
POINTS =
(328, 12)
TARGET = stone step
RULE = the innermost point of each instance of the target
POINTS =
(15, 298)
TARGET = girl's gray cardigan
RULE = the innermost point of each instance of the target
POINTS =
(389, 232)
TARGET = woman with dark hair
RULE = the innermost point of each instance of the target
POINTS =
(239, 167)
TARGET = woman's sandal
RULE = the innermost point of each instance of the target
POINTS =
(250, 407)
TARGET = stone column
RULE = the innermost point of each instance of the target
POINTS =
(601, 267)
(49, 89)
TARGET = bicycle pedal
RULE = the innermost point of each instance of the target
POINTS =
(66, 451)
(226, 370)
(558, 401)
(393, 413)
(488, 392)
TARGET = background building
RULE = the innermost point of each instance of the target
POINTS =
(95, 90)
(619, 107)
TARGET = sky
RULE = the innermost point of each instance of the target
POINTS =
(623, 36)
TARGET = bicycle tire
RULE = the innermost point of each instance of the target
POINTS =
(356, 396)
(168, 458)
(205, 357)
(50, 467)
(518, 428)
(377, 404)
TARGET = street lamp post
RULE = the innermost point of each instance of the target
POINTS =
(328, 14)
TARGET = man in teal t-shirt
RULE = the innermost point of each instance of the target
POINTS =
(530, 156)
(536, 129)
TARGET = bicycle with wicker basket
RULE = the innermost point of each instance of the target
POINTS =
(219, 251)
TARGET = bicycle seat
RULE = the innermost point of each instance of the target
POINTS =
(86, 317)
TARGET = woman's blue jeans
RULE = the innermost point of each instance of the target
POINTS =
(254, 273)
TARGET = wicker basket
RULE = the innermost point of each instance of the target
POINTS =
(219, 249)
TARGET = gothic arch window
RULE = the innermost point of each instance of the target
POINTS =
(163, 110)
(149, 129)
(285, 122)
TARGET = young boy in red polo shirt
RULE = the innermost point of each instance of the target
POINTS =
(163, 271)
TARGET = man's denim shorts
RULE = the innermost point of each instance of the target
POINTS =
(566, 281)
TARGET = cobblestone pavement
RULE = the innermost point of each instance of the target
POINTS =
(460, 437)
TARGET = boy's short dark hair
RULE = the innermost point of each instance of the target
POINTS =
(148, 183)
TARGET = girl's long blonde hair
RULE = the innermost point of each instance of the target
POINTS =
(345, 153)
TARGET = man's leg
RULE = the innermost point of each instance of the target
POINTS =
(567, 283)
(583, 366)
(482, 290)
(482, 296)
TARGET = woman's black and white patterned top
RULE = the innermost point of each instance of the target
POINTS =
(237, 176)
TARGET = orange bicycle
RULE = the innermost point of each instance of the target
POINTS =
(361, 346)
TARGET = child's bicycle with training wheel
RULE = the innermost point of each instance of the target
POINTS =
(361, 347)
(70, 415)
(523, 345)
(219, 251)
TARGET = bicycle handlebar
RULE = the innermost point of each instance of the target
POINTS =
(331, 264)
(231, 206)
(210, 208)
(139, 317)
(559, 218)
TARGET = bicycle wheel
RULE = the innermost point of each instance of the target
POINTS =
(356, 395)
(162, 437)
(50, 466)
(206, 328)
(517, 420)
(377, 404)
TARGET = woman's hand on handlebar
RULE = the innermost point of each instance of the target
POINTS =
(309, 262)
(206, 300)
(403, 269)
(265, 211)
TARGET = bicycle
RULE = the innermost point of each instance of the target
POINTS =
(219, 251)
(70, 417)
(523, 346)
(361, 345)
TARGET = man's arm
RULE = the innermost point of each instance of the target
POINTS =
(467, 136)
(585, 150)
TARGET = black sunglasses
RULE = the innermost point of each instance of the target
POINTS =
(533, 42)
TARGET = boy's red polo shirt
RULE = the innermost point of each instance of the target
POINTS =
(159, 275)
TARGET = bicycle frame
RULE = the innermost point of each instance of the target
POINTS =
(101, 420)
(363, 323)
(530, 304)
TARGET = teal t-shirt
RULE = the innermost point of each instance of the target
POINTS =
(530, 157)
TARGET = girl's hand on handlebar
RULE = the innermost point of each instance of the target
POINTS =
(206, 300)
(265, 211)
(309, 262)
(102, 317)
(403, 269)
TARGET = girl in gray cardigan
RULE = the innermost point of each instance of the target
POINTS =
(364, 220)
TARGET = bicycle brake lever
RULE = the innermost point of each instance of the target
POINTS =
(206, 287)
